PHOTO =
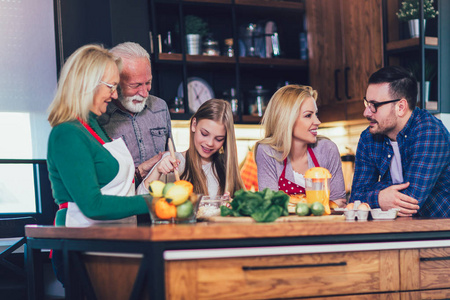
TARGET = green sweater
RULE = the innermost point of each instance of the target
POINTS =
(79, 166)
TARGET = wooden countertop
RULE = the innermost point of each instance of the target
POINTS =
(219, 231)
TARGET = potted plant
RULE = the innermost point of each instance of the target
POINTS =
(195, 29)
(410, 12)
(430, 73)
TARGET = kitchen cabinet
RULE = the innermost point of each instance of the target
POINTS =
(106, 22)
(173, 67)
(406, 258)
(345, 48)
(287, 276)
(422, 54)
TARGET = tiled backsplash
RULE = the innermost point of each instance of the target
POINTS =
(345, 135)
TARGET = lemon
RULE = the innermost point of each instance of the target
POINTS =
(177, 195)
(167, 188)
(185, 210)
(156, 188)
(302, 209)
(317, 208)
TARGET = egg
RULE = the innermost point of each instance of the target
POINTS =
(349, 206)
(364, 206)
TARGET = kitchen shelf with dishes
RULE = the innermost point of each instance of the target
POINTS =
(250, 50)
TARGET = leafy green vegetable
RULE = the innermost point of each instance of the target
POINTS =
(262, 206)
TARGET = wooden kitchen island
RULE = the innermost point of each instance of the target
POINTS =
(402, 259)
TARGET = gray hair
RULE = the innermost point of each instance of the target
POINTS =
(130, 50)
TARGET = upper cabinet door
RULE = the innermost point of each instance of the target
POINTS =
(346, 47)
(325, 49)
(363, 48)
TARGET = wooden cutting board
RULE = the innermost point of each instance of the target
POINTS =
(291, 218)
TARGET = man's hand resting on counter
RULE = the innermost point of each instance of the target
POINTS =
(392, 197)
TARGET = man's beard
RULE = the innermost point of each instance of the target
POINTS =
(127, 102)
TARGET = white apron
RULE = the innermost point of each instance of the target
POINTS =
(121, 185)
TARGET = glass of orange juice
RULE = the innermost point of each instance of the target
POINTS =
(317, 186)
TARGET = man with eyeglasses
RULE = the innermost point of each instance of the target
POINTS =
(403, 157)
(141, 119)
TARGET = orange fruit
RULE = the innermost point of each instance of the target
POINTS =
(164, 210)
(186, 184)
(333, 204)
(298, 198)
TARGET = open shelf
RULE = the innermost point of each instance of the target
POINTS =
(251, 119)
(282, 62)
(411, 43)
(272, 4)
(257, 3)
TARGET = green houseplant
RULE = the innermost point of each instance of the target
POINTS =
(410, 12)
(195, 25)
(430, 72)
(195, 28)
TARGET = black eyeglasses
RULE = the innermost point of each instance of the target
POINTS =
(373, 106)
(113, 87)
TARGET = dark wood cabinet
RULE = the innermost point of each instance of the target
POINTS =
(345, 48)
(226, 19)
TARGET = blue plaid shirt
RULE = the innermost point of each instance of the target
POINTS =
(424, 145)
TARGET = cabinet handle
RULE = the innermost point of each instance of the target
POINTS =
(336, 88)
(246, 268)
(434, 258)
(346, 82)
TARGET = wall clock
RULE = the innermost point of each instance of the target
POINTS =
(199, 91)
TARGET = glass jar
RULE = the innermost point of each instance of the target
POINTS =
(259, 98)
(211, 47)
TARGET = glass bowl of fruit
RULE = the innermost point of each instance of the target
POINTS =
(173, 202)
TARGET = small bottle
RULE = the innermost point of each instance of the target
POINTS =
(168, 43)
(234, 102)
(229, 51)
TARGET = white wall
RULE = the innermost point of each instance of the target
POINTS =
(27, 74)
(445, 118)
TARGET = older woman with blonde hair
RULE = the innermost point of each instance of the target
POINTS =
(291, 146)
(92, 177)
(210, 163)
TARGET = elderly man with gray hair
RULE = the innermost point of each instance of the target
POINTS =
(141, 119)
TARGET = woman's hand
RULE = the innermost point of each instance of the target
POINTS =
(167, 165)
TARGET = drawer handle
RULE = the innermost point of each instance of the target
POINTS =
(246, 268)
(434, 258)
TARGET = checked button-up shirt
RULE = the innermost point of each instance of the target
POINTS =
(144, 133)
(424, 145)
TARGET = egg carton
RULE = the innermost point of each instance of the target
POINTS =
(378, 214)
(363, 214)
(355, 213)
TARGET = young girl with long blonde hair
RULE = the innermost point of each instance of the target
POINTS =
(210, 163)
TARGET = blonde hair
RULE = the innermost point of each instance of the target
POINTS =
(78, 83)
(225, 165)
(280, 116)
